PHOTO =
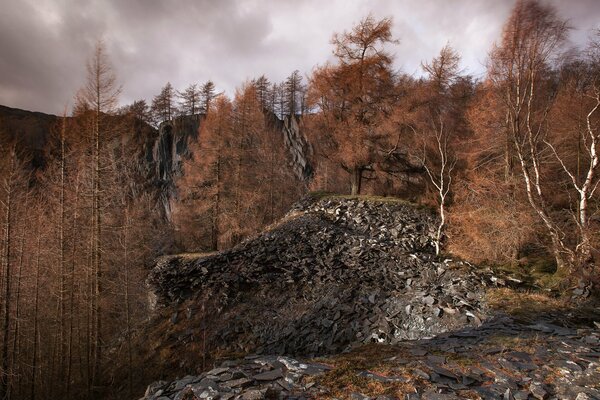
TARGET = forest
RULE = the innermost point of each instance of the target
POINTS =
(511, 162)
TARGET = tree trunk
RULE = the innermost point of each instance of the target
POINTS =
(34, 364)
(16, 338)
(127, 305)
(8, 211)
(442, 224)
(357, 173)
(216, 210)
(72, 292)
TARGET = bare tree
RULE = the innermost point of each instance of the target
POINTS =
(191, 99)
(100, 93)
(163, 105)
(532, 37)
(437, 129)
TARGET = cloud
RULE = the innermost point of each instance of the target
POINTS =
(45, 43)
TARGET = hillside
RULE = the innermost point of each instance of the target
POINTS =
(356, 277)
(30, 129)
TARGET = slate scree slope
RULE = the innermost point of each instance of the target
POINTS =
(333, 273)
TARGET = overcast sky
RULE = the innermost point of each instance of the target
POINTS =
(44, 44)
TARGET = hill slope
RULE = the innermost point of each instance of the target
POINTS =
(355, 281)
(334, 273)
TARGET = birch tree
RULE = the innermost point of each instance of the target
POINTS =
(532, 38)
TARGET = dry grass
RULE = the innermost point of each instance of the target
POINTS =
(344, 378)
(523, 303)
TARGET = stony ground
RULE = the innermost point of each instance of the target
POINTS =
(345, 299)
(551, 356)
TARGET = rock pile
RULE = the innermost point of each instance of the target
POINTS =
(544, 358)
(252, 378)
(332, 274)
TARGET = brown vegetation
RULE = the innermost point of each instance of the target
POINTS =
(512, 162)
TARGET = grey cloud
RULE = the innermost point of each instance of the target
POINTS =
(44, 44)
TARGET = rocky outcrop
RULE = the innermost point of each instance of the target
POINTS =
(338, 273)
(332, 274)
(172, 144)
(298, 147)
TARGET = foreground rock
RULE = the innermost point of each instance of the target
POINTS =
(335, 273)
(550, 357)
(252, 378)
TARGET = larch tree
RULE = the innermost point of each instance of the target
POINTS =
(100, 94)
(352, 98)
(263, 88)
(207, 95)
(294, 90)
(163, 105)
(198, 212)
(190, 100)
(140, 110)
(13, 185)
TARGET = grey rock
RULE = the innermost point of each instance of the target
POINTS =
(269, 375)
(538, 391)
(236, 383)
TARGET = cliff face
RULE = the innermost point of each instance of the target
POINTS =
(297, 146)
(172, 145)
(160, 151)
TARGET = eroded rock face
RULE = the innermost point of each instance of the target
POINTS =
(332, 274)
(298, 147)
(172, 145)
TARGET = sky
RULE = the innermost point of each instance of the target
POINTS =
(44, 44)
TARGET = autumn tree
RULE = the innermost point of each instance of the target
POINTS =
(352, 98)
(519, 67)
(574, 141)
(263, 92)
(140, 110)
(437, 128)
(294, 93)
(190, 100)
(198, 211)
(207, 95)
(163, 105)
(100, 94)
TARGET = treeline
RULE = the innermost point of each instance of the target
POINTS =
(281, 99)
(510, 160)
(75, 240)
(239, 178)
